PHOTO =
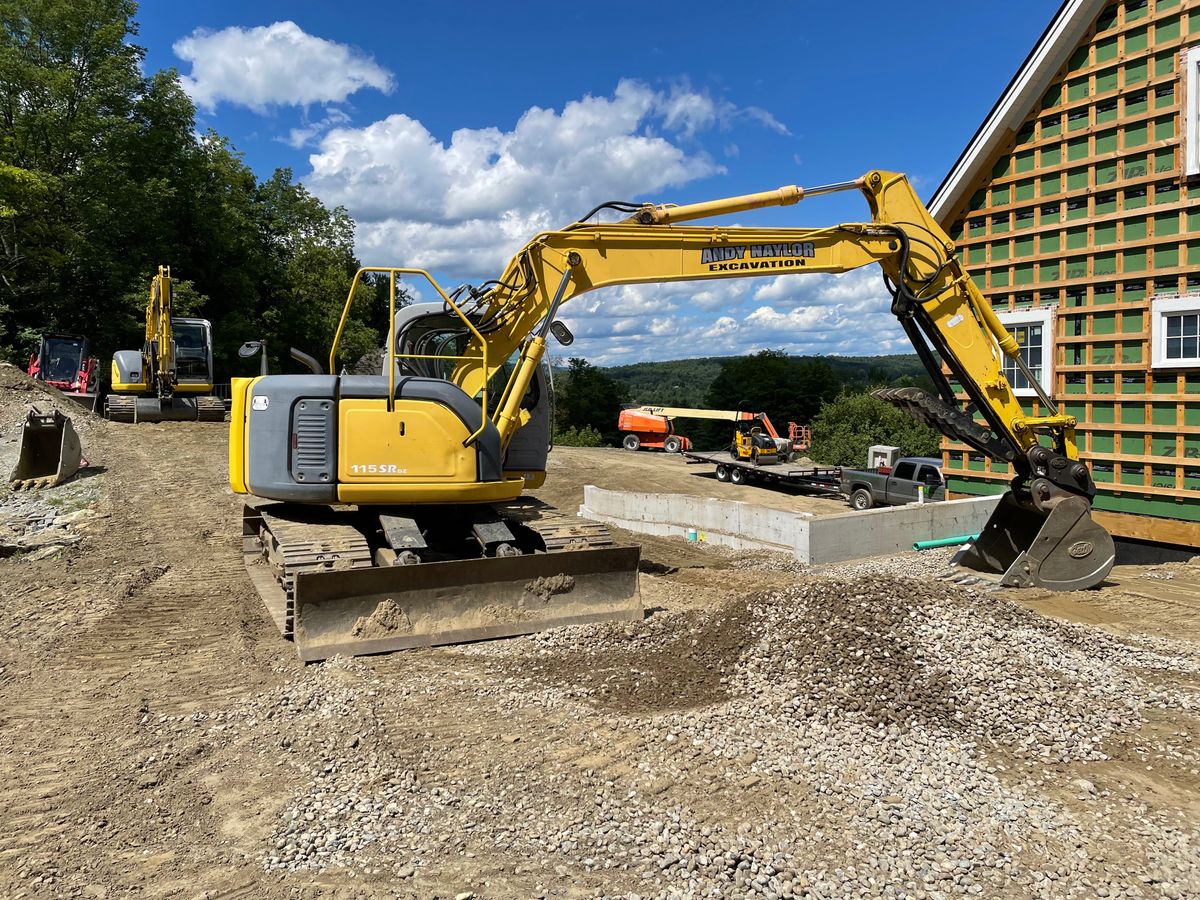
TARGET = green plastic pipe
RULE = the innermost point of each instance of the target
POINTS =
(944, 542)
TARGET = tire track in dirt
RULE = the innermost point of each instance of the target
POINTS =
(162, 622)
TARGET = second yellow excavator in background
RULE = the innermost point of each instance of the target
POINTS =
(171, 377)
(388, 508)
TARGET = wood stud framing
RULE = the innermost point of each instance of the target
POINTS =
(1087, 209)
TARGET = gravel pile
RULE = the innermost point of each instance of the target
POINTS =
(855, 737)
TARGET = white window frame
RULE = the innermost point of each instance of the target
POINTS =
(1160, 308)
(1191, 117)
(1044, 316)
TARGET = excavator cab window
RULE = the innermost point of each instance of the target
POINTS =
(191, 350)
(63, 359)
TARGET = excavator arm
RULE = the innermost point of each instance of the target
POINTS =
(941, 310)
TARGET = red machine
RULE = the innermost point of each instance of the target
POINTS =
(64, 361)
(653, 428)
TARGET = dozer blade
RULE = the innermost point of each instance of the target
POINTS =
(363, 611)
(1063, 551)
(49, 453)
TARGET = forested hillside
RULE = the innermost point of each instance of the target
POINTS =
(686, 382)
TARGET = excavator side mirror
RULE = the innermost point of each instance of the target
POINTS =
(562, 333)
(248, 349)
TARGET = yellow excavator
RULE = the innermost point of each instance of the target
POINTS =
(389, 509)
(171, 377)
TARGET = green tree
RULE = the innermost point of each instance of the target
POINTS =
(587, 397)
(847, 426)
(786, 388)
(103, 179)
(578, 437)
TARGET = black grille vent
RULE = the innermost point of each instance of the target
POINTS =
(312, 441)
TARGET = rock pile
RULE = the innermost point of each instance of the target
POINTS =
(845, 737)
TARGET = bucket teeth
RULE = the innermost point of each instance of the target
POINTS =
(940, 415)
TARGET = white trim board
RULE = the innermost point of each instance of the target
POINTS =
(1165, 306)
(1035, 315)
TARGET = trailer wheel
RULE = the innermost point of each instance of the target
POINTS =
(672, 444)
(737, 476)
(631, 442)
(722, 473)
(862, 500)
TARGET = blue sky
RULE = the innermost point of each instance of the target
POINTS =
(454, 131)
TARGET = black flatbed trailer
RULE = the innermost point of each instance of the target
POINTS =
(827, 478)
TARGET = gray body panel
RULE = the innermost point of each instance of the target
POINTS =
(268, 448)
(129, 366)
(303, 405)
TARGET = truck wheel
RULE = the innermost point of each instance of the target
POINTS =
(861, 499)
(631, 442)
(738, 476)
(672, 445)
(722, 473)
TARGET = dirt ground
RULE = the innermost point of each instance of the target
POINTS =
(159, 739)
(571, 468)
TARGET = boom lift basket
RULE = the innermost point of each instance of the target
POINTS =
(50, 452)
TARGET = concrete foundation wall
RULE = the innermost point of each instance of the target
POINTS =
(813, 540)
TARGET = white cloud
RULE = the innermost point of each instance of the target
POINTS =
(274, 65)
(309, 130)
(846, 315)
(466, 205)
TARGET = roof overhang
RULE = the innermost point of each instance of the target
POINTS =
(1052, 50)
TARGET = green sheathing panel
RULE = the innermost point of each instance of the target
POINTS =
(1161, 507)
(1086, 209)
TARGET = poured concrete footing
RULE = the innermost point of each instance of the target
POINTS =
(811, 539)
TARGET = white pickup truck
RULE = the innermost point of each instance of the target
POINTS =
(880, 487)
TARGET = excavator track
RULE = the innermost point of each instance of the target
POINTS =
(559, 531)
(125, 408)
(287, 546)
(210, 409)
(314, 570)
(120, 408)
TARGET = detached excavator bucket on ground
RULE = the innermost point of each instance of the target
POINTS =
(319, 581)
(50, 452)
(1022, 546)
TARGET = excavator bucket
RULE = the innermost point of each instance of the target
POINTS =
(1024, 547)
(380, 609)
(50, 452)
